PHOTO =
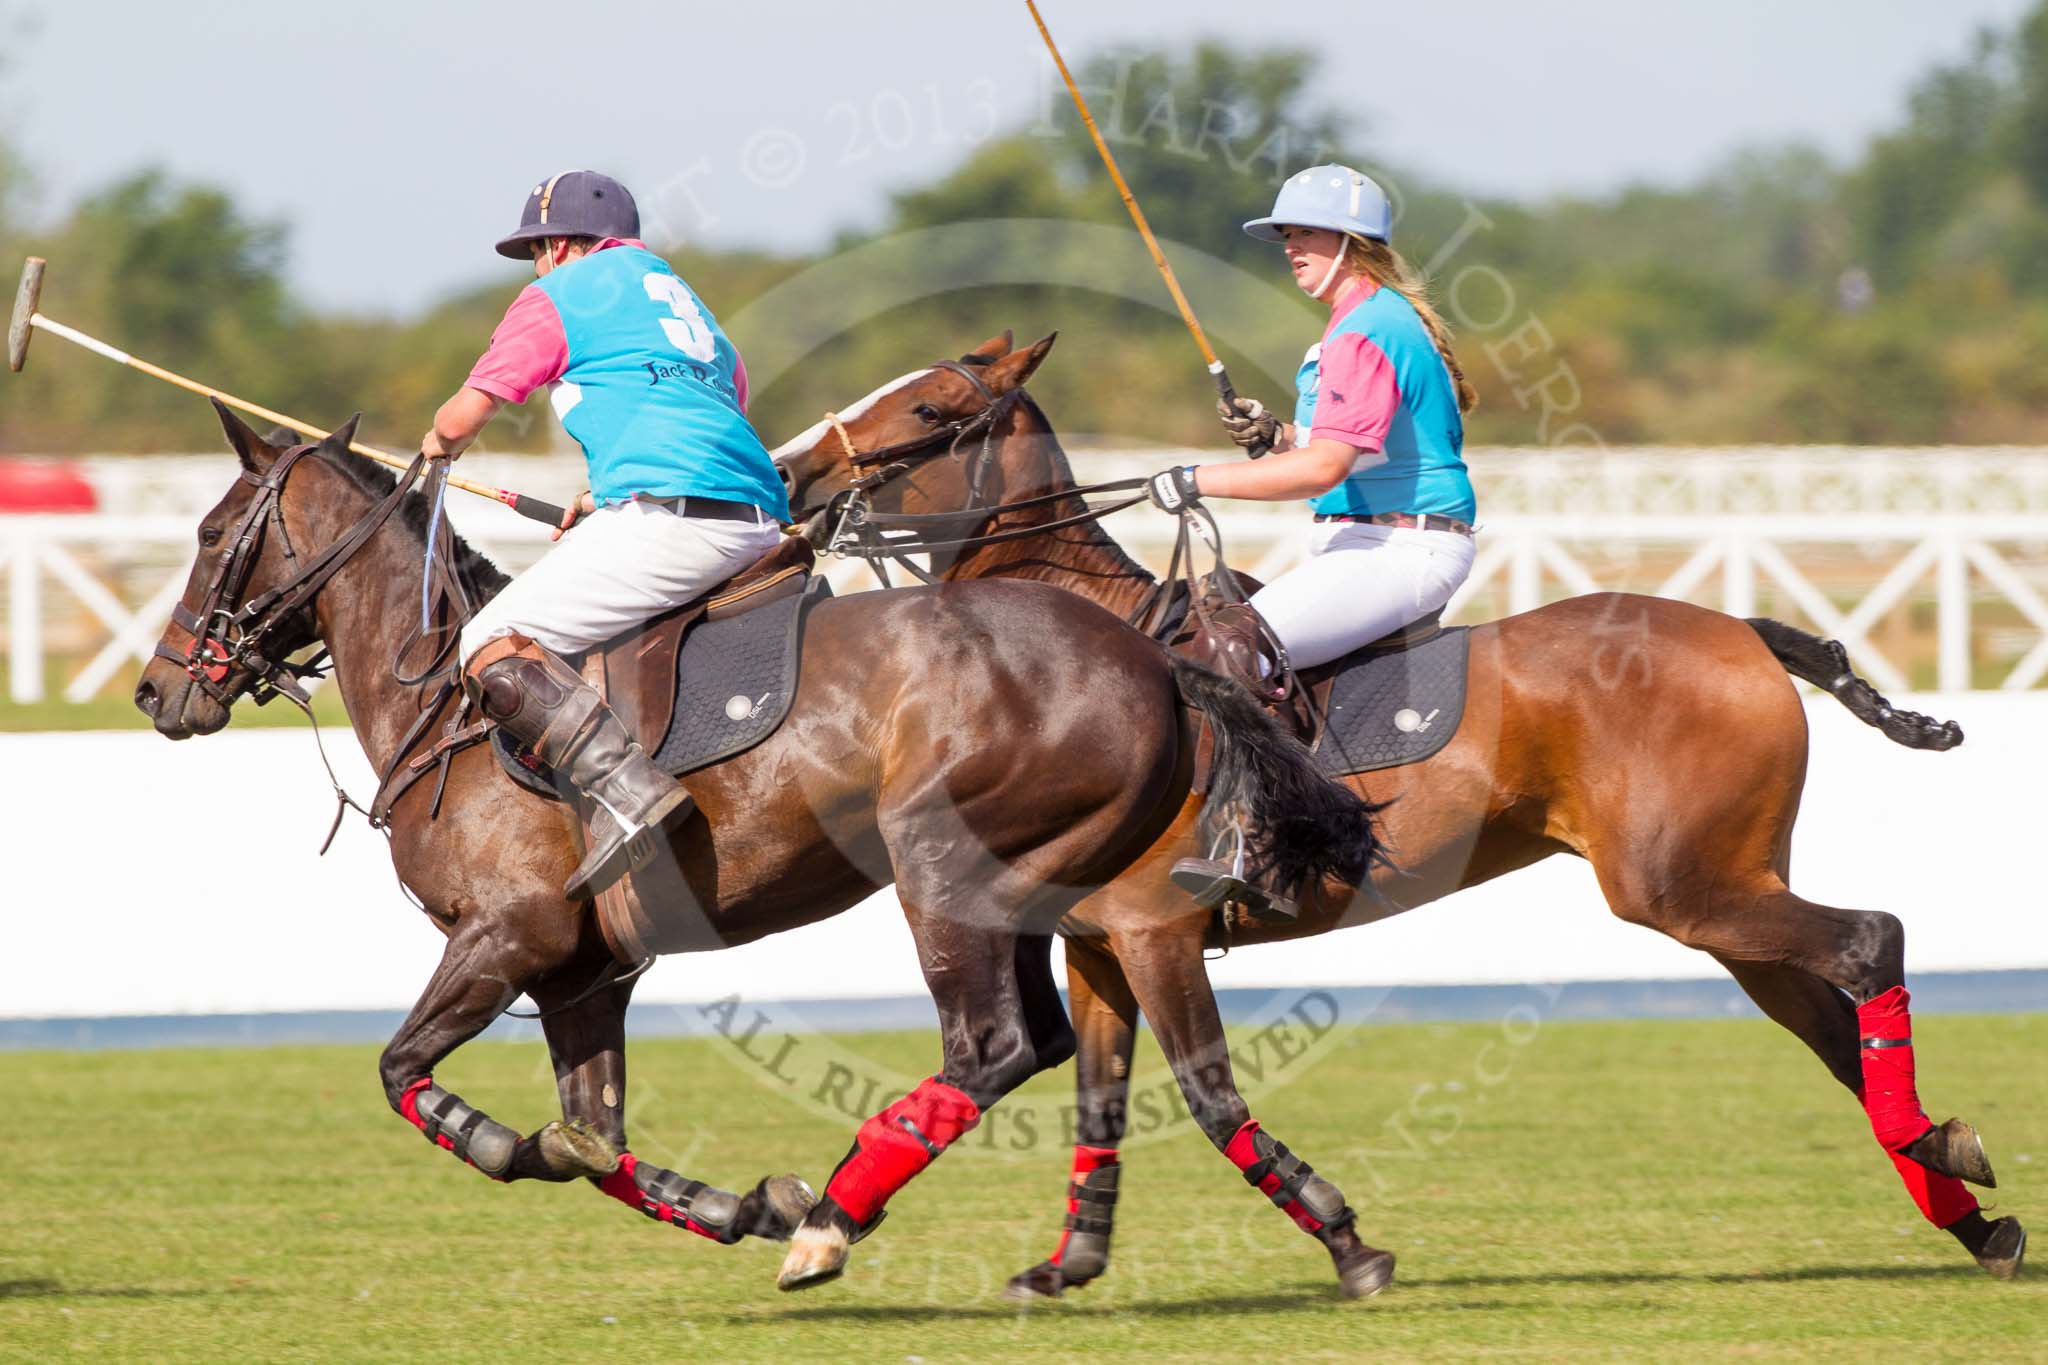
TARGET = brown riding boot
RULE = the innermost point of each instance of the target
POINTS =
(540, 701)
(1232, 642)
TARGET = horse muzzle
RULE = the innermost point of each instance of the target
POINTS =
(178, 708)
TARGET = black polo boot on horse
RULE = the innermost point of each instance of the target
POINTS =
(541, 702)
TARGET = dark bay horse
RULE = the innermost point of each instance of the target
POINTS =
(1662, 742)
(994, 750)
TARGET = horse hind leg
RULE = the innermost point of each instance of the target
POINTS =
(1822, 1018)
(971, 962)
(1861, 954)
(587, 1044)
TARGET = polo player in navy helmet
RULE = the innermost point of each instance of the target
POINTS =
(682, 493)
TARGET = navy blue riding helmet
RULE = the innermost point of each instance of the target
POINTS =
(573, 204)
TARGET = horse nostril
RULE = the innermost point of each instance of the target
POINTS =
(146, 698)
(788, 479)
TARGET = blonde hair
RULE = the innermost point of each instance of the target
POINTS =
(1383, 265)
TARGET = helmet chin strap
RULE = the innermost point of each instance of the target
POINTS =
(1336, 264)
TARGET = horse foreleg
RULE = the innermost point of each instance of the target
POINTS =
(1105, 1015)
(1822, 1018)
(587, 1042)
(479, 976)
(1165, 971)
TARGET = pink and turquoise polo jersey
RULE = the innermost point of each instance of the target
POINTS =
(642, 377)
(1376, 381)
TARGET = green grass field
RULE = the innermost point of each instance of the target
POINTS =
(1616, 1191)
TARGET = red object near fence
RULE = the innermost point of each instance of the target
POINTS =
(37, 486)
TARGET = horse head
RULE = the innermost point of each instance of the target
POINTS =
(918, 443)
(234, 629)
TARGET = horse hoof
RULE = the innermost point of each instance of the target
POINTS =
(2004, 1250)
(1365, 1273)
(785, 1199)
(816, 1256)
(1043, 1281)
(1955, 1149)
(575, 1149)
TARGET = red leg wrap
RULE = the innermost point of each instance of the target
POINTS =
(896, 1144)
(621, 1186)
(1890, 1097)
(1942, 1198)
(1892, 1100)
(1242, 1149)
(1086, 1161)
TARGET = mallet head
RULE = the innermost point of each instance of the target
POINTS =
(25, 300)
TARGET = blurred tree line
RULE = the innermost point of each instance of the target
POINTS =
(1782, 298)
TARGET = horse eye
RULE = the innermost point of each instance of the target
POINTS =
(927, 414)
(209, 536)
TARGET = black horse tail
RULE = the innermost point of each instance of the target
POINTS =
(1297, 822)
(1824, 663)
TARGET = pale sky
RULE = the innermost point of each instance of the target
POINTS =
(399, 139)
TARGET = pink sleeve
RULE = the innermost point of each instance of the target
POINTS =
(1356, 393)
(528, 350)
(739, 378)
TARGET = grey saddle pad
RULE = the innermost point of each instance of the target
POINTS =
(1394, 707)
(734, 684)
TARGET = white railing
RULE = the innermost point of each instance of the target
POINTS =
(1842, 540)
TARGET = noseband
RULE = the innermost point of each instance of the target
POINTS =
(228, 641)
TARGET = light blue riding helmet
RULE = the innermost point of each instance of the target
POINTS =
(1333, 197)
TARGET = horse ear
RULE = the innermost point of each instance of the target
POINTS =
(990, 351)
(256, 454)
(342, 437)
(1012, 371)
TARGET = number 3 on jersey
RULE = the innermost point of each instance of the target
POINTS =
(686, 330)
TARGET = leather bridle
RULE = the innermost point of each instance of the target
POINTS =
(230, 647)
(858, 531)
(900, 457)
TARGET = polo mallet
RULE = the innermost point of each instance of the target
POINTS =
(1180, 300)
(27, 319)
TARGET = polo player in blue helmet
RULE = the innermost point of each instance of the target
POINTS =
(682, 492)
(1376, 446)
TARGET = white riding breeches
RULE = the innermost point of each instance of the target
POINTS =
(1361, 581)
(616, 568)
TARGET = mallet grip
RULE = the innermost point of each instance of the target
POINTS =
(546, 513)
(1229, 395)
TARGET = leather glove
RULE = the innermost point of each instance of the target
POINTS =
(1173, 490)
(1249, 424)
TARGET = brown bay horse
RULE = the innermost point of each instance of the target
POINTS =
(995, 750)
(1662, 742)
